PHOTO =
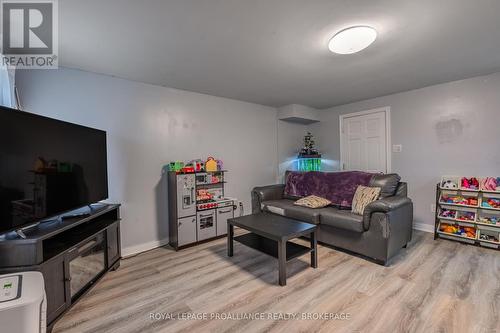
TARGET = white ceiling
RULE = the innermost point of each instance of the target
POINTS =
(274, 52)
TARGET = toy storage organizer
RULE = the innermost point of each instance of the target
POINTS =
(468, 214)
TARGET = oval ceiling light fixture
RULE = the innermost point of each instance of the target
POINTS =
(352, 39)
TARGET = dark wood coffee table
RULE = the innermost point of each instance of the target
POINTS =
(271, 234)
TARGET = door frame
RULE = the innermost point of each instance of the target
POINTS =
(388, 155)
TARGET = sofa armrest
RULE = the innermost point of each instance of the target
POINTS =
(264, 193)
(387, 205)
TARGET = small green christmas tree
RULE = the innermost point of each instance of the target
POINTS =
(309, 145)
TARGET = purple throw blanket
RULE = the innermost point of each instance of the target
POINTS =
(338, 187)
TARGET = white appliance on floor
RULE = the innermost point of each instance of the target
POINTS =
(23, 306)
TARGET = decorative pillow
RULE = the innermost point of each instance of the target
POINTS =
(364, 195)
(312, 201)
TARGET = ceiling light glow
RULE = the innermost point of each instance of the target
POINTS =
(352, 40)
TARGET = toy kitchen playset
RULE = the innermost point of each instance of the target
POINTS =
(198, 208)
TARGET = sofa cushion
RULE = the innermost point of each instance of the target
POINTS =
(286, 208)
(313, 201)
(342, 219)
(388, 184)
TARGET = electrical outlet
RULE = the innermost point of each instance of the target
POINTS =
(397, 148)
(433, 208)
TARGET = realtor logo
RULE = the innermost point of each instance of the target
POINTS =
(29, 33)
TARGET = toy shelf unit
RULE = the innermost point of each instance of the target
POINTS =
(468, 210)
(198, 207)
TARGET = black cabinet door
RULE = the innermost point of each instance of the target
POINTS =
(113, 243)
(56, 275)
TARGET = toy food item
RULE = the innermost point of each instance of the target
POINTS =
(203, 195)
(211, 165)
(215, 179)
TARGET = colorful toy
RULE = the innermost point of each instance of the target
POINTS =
(466, 216)
(203, 195)
(459, 200)
(473, 201)
(448, 213)
(198, 165)
(215, 179)
(456, 229)
(211, 165)
(470, 183)
(220, 165)
(189, 168)
(469, 232)
(490, 219)
(489, 184)
(491, 203)
(448, 184)
(175, 166)
(490, 238)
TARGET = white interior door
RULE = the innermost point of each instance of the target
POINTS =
(365, 141)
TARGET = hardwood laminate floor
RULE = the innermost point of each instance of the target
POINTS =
(432, 286)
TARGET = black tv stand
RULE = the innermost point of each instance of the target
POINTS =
(51, 248)
(22, 231)
(79, 213)
(73, 216)
(96, 206)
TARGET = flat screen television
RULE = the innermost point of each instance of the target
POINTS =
(47, 167)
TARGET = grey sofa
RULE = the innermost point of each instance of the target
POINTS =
(383, 229)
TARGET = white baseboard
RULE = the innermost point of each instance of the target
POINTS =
(424, 227)
(136, 249)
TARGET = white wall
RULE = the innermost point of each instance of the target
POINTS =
(293, 124)
(447, 129)
(290, 141)
(148, 126)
